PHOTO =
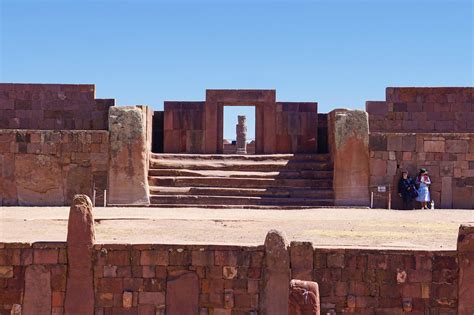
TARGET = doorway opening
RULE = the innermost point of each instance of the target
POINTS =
(239, 129)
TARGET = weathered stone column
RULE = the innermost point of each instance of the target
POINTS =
(276, 275)
(80, 241)
(37, 298)
(241, 130)
(348, 133)
(466, 269)
(128, 167)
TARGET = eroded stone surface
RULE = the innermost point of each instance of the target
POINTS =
(466, 269)
(37, 298)
(276, 275)
(349, 141)
(304, 298)
(128, 181)
(80, 241)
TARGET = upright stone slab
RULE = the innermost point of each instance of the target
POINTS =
(466, 269)
(37, 298)
(182, 293)
(80, 241)
(348, 132)
(276, 275)
(128, 167)
(241, 130)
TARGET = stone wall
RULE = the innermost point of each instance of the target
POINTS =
(40, 167)
(423, 110)
(52, 107)
(448, 157)
(296, 127)
(183, 129)
(148, 278)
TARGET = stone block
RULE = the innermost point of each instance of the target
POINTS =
(409, 143)
(457, 146)
(434, 146)
(378, 142)
(182, 293)
(151, 298)
(301, 260)
(154, 257)
(37, 297)
(394, 143)
(128, 169)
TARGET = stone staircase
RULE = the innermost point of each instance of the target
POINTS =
(243, 181)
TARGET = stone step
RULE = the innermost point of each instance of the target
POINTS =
(304, 174)
(232, 200)
(186, 181)
(230, 165)
(239, 157)
(249, 192)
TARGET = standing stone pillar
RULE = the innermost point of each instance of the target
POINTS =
(241, 129)
(80, 241)
(348, 133)
(276, 275)
(466, 269)
(128, 167)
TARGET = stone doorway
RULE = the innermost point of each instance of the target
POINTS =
(238, 129)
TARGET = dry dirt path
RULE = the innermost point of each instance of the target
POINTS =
(366, 228)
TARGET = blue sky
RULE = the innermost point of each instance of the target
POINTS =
(338, 53)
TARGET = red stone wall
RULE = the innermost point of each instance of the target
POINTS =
(423, 110)
(228, 277)
(49, 167)
(52, 107)
(448, 157)
(296, 127)
(135, 279)
(380, 281)
(15, 258)
(184, 125)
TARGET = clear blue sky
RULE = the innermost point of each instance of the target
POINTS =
(338, 53)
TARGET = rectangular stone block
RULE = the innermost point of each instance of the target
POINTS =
(434, 146)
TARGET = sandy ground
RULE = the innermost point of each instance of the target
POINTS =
(365, 228)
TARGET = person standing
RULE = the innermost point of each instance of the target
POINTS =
(423, 181)
(407, 190)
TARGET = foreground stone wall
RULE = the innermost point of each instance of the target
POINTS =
(448, 157)
(41, 167)
(52, 107)
(149, 279)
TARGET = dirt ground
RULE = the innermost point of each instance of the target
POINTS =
(365, 228)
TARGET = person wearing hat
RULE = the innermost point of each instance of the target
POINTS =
(423, 181)
(407, 190)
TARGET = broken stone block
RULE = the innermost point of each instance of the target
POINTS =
(229, 272)
(304, 298)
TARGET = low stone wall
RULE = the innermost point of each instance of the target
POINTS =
(46, 278)
(44, 167)
(448, 157)
(228, 279)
